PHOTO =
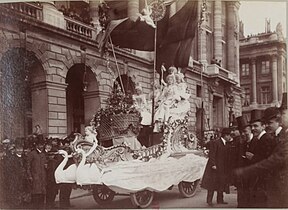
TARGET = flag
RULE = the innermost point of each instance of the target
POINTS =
(174, 35)
(175, 48)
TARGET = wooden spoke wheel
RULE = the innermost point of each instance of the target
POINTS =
(142, 199)
(188, 189)
(102, 194)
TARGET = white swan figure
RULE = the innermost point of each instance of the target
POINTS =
(68, 175)
(87, 174)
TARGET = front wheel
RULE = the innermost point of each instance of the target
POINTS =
(188, 189)
(102, 194)
(142, 199)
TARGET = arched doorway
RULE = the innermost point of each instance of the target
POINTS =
(19, 69)
(82, 95)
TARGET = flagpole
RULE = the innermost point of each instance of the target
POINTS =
(154, 73)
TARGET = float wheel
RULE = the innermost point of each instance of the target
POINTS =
(142, 199)
(188, 189)
(102, 194)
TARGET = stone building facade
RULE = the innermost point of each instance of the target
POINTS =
(53, 75)
(263, 67)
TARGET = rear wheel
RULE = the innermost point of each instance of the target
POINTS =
(188, 189)
(102, 194)
(142, 199)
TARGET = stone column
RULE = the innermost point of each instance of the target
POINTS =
(133, 9)
(254, 82)
(232, 37)
(217, 30)
(274, 80)
(93, 6)
(57, 109)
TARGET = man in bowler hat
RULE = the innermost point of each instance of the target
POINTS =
(215, 177)
(274, 167)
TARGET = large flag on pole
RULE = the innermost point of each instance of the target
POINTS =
(174, 35)
(175, 48)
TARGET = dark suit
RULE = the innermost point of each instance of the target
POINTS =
(254, 186)
(216, 179)
(275, 167)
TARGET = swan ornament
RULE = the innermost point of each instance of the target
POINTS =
(87, 173)
(67, 175)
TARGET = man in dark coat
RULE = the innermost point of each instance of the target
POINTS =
(272, 118)
(275, 167)
(243, 191)
(36, 163)
(216, 171)
(258, 149)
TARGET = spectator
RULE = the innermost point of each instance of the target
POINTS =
(36, 162)
(215, 175)
(15, 178)
(275, 167)
(51, 187)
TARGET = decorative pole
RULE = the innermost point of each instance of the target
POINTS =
(158, 10)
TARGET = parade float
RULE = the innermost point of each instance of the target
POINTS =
(127, 167)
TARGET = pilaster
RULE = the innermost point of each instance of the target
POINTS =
(274, 80)
(254, 82)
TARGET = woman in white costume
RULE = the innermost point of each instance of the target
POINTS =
(140, 103)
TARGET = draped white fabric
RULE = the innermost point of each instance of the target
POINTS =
(155, 175)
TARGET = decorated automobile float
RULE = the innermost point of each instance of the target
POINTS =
(127, 167)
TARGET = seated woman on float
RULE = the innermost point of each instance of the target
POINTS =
(167, 100)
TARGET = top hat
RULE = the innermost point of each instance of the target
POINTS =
(271, 112)
(284, 102)
(256, 116)
(242, 122)
(226, 131)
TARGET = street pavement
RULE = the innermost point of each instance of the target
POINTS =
(83, 199)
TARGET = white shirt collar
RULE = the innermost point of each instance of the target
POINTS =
(39, 150)
(18, 155)
(261, 134)
(250, 137)
(278, 130)
(223, 140)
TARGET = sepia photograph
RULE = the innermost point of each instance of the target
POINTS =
(153, 104)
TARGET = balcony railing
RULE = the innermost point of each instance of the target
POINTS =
(79, 28)
(29, 9)
(213, 70)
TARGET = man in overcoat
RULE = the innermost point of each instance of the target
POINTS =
(215, 177)
(36, 163)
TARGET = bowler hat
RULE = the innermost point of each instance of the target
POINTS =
(242, 122)
(256, 116)
(226, 131)
(271, 112)
(284, 102)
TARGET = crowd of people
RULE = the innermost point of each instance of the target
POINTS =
(253, 157)
(27, 169)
